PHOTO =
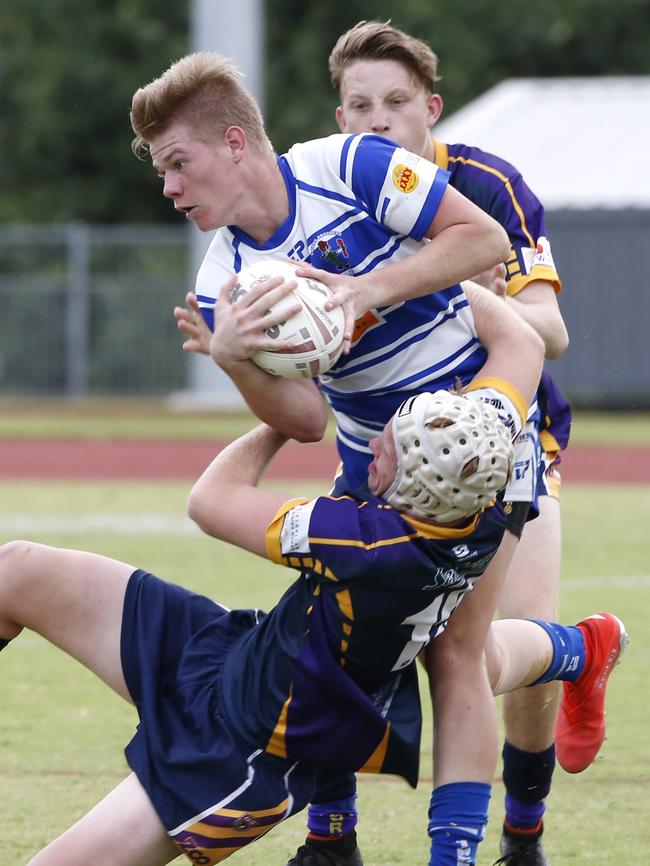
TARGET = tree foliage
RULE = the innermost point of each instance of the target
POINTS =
(68, 69)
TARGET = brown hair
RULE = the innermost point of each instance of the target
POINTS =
(203, 90)
(379, 40)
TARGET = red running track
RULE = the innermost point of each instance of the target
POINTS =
(122, 459)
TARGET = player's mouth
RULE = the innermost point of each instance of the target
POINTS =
(188, 211)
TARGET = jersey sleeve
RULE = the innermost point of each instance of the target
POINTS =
(400, 189)
(499, 189)
(521, 214)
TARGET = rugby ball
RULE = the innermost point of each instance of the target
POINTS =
(316, 334)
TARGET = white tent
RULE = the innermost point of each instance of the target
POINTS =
(579, 142)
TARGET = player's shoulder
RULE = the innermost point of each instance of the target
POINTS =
(338, 151)
(467, 157)
(328, 147)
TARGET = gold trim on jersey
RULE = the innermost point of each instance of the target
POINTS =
(376, 761)
(277, 744)
(506, 388)
(241, 837)
(273, 530)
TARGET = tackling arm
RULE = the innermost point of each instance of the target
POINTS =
(226, 503)
(537, 304)
(515, 350)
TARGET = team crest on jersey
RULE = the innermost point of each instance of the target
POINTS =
(332, 251)
(405, 179)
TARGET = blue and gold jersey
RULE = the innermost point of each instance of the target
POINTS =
(328, 676)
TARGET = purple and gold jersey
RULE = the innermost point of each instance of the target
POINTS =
(499, 189)
(327, 677)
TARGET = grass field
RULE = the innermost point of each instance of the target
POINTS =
(62, 732)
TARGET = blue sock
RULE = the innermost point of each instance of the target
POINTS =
(527, 777)
(458, 816)
(568, 652)
(336, 818)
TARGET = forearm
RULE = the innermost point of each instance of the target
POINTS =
(456, 254)
(225, 503)
(537, 305)
(515, 351)
(293, 407)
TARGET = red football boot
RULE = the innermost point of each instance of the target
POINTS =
(580, 726)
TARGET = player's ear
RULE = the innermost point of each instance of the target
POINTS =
(235, 140)
(340, 118)
(434, 108)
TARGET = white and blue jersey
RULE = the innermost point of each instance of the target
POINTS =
(358, 203)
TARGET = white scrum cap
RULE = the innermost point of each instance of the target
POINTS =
(454, 454)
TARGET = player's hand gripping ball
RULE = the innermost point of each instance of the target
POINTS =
(316, 334)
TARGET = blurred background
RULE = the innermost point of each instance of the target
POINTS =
(92, 258)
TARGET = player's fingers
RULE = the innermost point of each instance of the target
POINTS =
(310, 272)
(271, 300)
(348, 325)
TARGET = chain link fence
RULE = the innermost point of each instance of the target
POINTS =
(87, 310)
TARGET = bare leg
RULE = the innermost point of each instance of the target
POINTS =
(73, 599)
(517, 653)
(465, 742)
(530, 592)
(121, 830)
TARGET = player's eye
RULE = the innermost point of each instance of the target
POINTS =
(180, 164)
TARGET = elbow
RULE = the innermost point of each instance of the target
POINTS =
(536, 349)
(309, 433)
(557, 343)
(311, 426)
(198, 511)
(501, 244)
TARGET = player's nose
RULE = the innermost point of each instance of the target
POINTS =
(379, 120)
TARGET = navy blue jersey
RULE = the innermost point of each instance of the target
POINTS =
(327, 677)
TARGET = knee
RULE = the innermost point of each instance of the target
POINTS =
(13, 554)
(15, 557)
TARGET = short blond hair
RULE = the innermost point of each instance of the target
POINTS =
(379, 40)
(203, 90)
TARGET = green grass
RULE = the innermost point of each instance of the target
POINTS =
(142, 419)
(62, 732)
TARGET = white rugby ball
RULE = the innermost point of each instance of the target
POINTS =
(316, 333)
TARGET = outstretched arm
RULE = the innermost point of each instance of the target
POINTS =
(226, 502)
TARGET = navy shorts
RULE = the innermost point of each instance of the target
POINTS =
(213, 792)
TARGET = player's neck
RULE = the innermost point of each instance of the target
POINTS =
(265, 206)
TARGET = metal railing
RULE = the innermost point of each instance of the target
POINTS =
(87, 310)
